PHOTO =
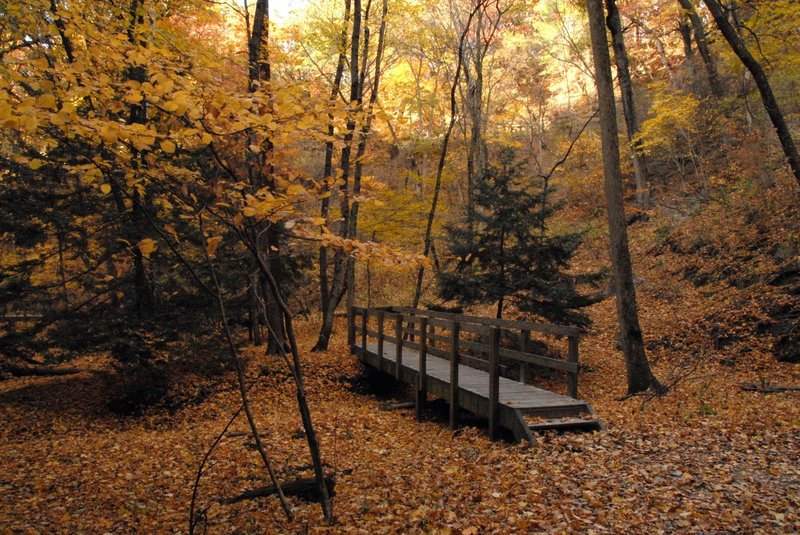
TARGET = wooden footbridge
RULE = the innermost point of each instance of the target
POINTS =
(477, 364)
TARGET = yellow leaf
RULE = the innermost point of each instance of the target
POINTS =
(213, 243)
(294, 189)
(35, 164)
(168, 146)
(105, 188)
(58, 119)
(147, 246)
(47, 101)
(134, 97)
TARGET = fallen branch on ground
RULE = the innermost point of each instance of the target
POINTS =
(304, 488)
(394, 406)
(26, 371)
(767, 388)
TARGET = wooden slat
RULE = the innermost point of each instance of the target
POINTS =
(525, 337)
(422, 377)
(561, 330)
(380, 333)
(364, 320)
(398, 342)
(572, 378)
(539, 360)
(454, 357)
(494, 384)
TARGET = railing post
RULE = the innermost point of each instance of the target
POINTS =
(364, 322)
(494, 384)
(398, 346)
(431, 334)
(351, 335)
(572, 378)
(422, 379)
(351, 326)
(525, 336)
(380, 335)
(454, 358)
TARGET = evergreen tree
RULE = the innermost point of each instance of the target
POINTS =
(504, 254)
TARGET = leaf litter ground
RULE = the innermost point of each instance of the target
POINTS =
(706, 458)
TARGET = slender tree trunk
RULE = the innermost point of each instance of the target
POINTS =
(296, 369)
(358, 168)
(474, 104)
(261, 173)
(685, 29)
(702, 47)
(762, 82)
(339, 282)
(640, 377)
(628, 107)
(443, 156)
(324, 281)
(144, 297)
(254, 312)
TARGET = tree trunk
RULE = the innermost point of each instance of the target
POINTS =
(143, 291)
(260, 171)
(358, 168)
(762, 82)
(629, 109)
(339, 282)
(324, 281)
(702, 47)
(254, 312)
(685, 29)
(640, 377)
(442, 158)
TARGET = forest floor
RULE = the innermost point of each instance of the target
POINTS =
(708, 457)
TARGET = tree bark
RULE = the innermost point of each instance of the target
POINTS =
(762, 82)
(628, 107)
(341, 263)
(702, 47)
(358, 168)
(640, 377)
(143, 291)
(685, 29)
(324, 281)
(442, 157)
(260, 173)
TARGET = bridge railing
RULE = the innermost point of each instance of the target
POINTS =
(493, 345)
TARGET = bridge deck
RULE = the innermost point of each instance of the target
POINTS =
(473, 381)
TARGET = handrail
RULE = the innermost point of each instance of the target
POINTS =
(548, 328)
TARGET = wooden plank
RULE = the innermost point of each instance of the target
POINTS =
(454, 334)
(380, 333)
(422, 378)
(572, 378)
(525, 337)
(538, 360)
(494, 383)
(560, 330)
(398, 341)
(364, 320)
